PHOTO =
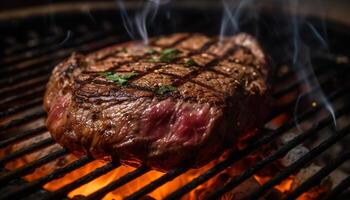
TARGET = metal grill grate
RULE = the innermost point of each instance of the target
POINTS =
(29, 58)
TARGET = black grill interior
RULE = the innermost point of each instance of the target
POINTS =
(31, 47)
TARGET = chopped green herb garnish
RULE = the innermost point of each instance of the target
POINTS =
(151, 51)
(166, 59)
(129, 75)
(170, 52)
(105, 73)
(191, 62)
(167, 55)
(164, 89)
(120, 79)
(153, 59)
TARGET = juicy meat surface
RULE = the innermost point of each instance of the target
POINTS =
(179, 101)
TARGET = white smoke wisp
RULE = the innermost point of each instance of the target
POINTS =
(231, 14)
(136, 25)
(303, 63)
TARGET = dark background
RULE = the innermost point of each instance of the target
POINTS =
(337, 10)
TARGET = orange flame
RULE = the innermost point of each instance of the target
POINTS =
(130, 187)
(283, 187)
(105, 179)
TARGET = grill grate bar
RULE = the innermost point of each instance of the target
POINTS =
(118, 183)
(317, 178)
(287, 108)
(156, 183)
(21, 121)
(20, 48)
(343, 185)
(292, 86)
(82, 180)
(24, 68)
(323, 60)
(249, 149)
(34, 147)
(32, 73)
(279, 153)
(301, 162)
(27, 66)
(21, 107)
(88, 33)
(23, 135)
(290, 106)
(22, 86)
(77, 45)
(37, 91)
(30, 166)
(48, 49)
(35, 185)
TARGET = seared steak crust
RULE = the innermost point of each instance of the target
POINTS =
(218, 94)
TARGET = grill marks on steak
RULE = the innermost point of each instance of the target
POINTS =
(210, 108)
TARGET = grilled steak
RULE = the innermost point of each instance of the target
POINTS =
(179, 101)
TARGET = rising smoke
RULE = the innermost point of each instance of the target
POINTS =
(136, 24)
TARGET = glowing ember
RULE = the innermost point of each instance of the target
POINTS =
(283, 187)
(105, 179)
(131, 186)
(286, 186)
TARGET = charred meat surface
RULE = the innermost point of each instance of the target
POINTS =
(179, 101)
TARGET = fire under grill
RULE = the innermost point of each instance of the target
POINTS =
(301, 152)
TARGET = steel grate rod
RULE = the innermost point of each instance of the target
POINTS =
(30, 166)
(48, 60)
(21, 107)
(287, 108)
(27, 75)
(20, 87)
(22, 136)
(343, 185)
(27, 94)
(25, 189)
(82, 180)
(48, 49)
(249, 149)
(34, 147)
(20, 48)
(301, 162)
(279, 153)
(21, 121)
(118, 183)
(290, 87)
(30, 70)
(156, 183)
(25, 66)
(317, 178)
(41, 42)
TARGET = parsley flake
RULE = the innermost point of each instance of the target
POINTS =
(120, 79)
(167, 55)
(170, 52)
(164, 89)
(151, 51)
(191, 62)
(153, 59)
